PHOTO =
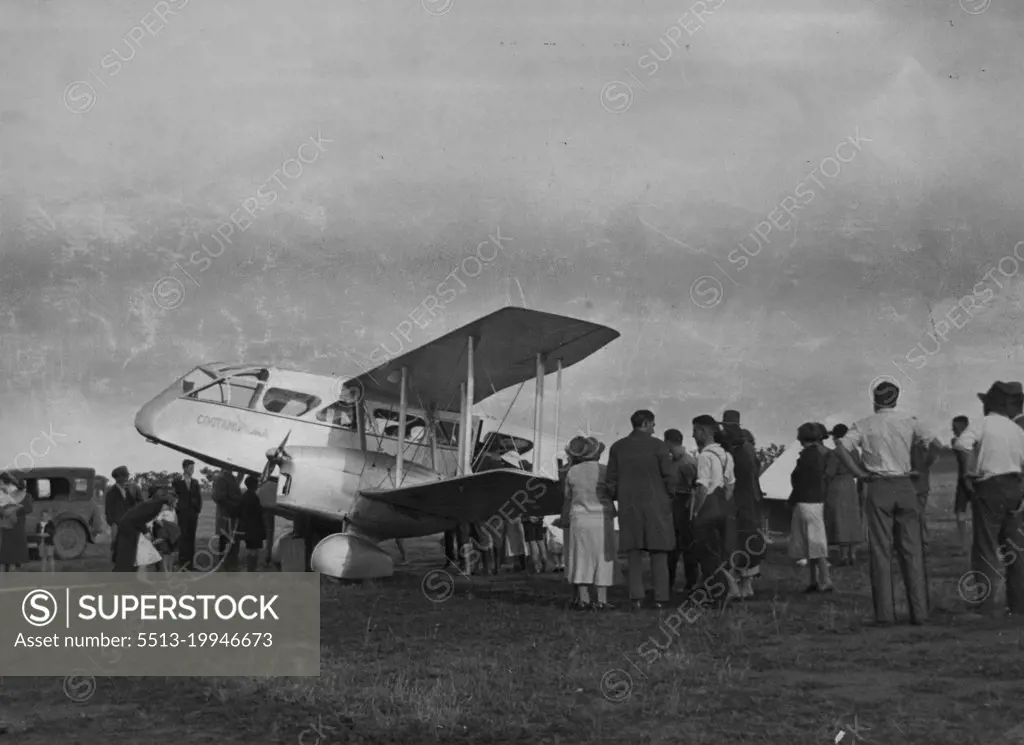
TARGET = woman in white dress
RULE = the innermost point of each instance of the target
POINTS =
(590, 549)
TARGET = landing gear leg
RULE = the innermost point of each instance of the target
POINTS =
(302, 528)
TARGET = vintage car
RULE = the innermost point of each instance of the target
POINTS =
(67, 492)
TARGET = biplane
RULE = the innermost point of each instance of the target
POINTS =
(392, 453)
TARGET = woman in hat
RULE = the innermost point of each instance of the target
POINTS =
(842, 502)
(590, 550)
(13, 540)
(136, 523)
(807, 537)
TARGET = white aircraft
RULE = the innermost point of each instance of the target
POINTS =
(382, 455)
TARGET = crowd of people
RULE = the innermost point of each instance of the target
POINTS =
(704, 509)
(159, 532)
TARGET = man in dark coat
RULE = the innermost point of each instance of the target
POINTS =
(190, 504)
(227, 495)
(640, 478)
(749, 545)
(118, 501)
(133, 524)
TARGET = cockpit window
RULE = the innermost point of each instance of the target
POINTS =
(289, 403)
(195, 379)
(239, 390)
(339, 414)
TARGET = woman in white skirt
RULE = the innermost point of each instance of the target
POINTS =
(807, 536)
(590, 549)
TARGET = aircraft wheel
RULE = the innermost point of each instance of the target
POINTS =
(69, 540)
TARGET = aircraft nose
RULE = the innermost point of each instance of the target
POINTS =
(145, 420)
(148, 418)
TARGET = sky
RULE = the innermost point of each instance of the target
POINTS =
(626, 184)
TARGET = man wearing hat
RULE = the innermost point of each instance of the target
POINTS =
(893, 511)
(117, 502)
(995, 468)
(639, 478)
(749, 539)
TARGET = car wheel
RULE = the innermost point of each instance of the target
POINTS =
(69, 540)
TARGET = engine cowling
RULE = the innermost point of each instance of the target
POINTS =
(350, 556)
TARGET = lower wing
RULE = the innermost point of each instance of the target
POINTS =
(478, 496)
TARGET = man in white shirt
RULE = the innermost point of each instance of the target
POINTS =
(893, 511)
(711, 510)
(995, 466)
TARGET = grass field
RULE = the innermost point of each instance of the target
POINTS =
(503, 661)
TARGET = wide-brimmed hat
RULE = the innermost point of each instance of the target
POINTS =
(730, 416)
(584, 448)
(1010, 389)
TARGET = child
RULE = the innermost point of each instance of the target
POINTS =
(536, 541)
(251, 523)
(807, 536)
(45, 532)
(163, 534)
(556, 542)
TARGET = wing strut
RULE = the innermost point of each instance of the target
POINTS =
(403, 406)
(460, 470)
(467, 454)
(558, 406)
(538, 413)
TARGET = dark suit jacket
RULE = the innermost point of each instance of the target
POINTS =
(116, 505)
(131, 525)
(641, 479)
(808, 477)
(227, 494)
(190, 501)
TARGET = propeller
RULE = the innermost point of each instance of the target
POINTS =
(274, 458)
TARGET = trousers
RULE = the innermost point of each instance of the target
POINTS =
(659, 575)
(894, 522)
(189, 523)
(686, 547)
(998, 542)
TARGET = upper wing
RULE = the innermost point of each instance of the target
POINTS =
(505, 348)
(478, 496)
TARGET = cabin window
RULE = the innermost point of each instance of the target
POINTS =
(339, 414)
(385, 421)
(82, 485)
(289, 403)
